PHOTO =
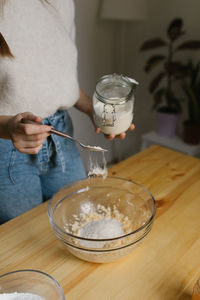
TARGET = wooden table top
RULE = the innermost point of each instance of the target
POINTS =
(164, 267)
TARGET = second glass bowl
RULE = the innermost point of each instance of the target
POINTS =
(31, 282)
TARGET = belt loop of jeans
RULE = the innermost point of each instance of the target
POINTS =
(11, 165)
(52, 121)
(59, 151)
(44, 153)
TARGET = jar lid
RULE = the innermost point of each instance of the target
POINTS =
(115, 89)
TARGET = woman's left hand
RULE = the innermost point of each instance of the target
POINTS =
(120, 136)
(84, 104)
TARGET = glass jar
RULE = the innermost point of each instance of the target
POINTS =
(113, 103)
(196, 291)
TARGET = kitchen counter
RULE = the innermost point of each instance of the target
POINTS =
(164, 267)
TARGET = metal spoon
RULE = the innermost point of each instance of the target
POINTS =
(90, 148)
(63, 134)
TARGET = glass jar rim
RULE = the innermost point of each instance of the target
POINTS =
(125, 82)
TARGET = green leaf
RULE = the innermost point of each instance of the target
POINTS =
(172, 101)
(153, 61)
(156, 81)
(177, 69)
(152, 44)
(189, 45)
(158, 97)
(172, 67)
(193, 105)
(191, 72)
(177, 104)
(195, 73)
(197, 93)
(175, 29)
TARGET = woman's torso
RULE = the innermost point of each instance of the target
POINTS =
(43, 75)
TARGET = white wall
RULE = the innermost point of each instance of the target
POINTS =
(96, 41)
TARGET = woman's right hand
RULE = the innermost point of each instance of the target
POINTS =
(27, 138)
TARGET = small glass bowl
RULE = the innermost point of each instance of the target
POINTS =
(84, 197)
(33, 282)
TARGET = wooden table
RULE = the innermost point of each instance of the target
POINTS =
(164, 267)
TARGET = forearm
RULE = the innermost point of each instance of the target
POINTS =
(4, 128)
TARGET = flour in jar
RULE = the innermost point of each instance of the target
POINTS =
(20, 296)
(124, 117)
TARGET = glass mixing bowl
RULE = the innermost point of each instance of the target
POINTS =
(73, 205)
(33, 282)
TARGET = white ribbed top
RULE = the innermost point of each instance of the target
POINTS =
(43, 75)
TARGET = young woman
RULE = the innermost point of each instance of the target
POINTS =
(38, 82)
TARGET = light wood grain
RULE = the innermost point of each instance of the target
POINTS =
(164, 267)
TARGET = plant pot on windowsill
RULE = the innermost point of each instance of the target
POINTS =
(167, 121)
(191, 133)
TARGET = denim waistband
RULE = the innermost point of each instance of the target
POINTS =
(52, 120)
(62, 119)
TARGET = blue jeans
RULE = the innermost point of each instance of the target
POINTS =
(28, 180)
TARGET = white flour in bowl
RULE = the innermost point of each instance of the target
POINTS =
(102, 229)
(20, 296)
(104, 223)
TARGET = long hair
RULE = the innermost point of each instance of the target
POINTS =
(4, 48)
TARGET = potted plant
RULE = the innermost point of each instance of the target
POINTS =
(163, 86)
(191, 88)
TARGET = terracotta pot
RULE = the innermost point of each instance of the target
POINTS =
(167, 123)
(191, 133)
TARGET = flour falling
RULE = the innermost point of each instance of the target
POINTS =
(97, 164)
